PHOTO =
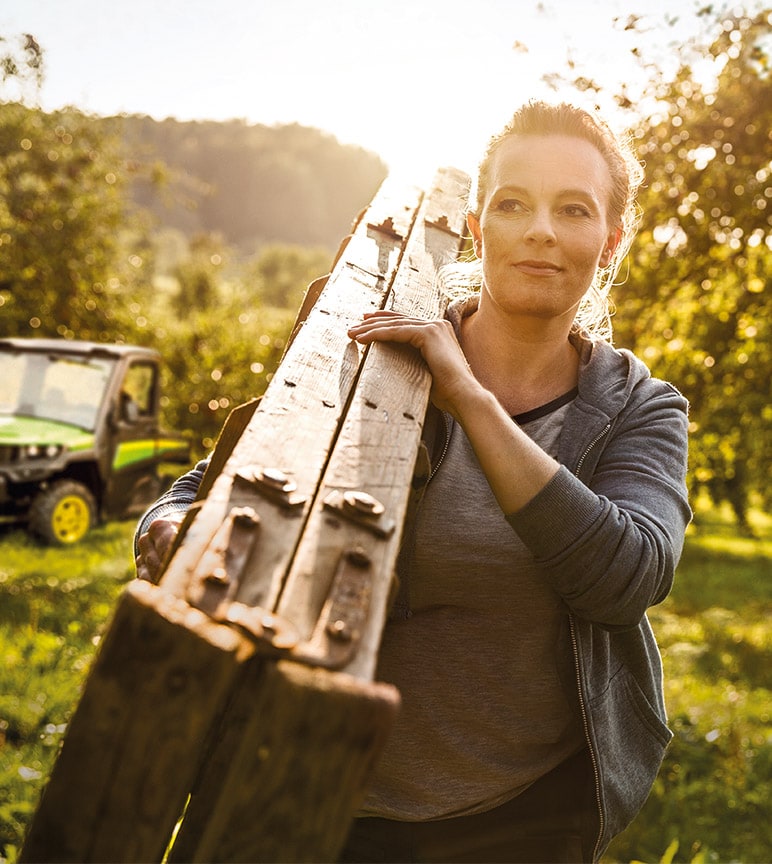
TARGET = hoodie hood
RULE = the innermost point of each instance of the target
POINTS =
(608, 380)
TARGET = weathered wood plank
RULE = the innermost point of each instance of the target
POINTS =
(375, 452)
(124, 772)
(170, 683)
(307, 741)
(295, 424)
(378, 444)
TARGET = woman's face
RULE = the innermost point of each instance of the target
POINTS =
(544, 227)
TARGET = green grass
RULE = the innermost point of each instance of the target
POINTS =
(54, 605)
(711, 801)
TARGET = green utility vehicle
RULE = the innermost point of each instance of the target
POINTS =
(80, 440)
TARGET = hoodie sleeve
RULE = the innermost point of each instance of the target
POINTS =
(177, 499)
(610, 546)
(188, 488)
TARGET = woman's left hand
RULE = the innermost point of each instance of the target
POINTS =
(437, 343)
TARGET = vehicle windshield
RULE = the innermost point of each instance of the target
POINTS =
(53, 386)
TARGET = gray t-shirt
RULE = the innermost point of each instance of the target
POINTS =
(483, 663)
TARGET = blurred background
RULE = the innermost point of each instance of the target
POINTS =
(175, 174)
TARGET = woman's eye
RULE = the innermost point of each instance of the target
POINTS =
(576, 210)
(509, 205)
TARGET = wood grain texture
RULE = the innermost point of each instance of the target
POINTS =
(119, 785)
(307, 741)
(297, 420)
(377, 447)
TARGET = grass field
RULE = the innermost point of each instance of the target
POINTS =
(711, 802)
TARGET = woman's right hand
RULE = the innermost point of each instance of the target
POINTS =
(452, 378)
(154, 546)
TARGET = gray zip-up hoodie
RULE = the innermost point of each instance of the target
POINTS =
(607, 532)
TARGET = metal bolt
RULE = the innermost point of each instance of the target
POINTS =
(218, 577)
(276, 478)
(339, 629)
(363, 503)
(358, 557)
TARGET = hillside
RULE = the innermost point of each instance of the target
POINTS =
(251, 184)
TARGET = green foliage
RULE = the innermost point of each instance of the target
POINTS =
(215, 360)
(696, 304)
(281, 272)
(222, 328)
(197, 276)
(67, 260)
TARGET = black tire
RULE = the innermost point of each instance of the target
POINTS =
(143, 495)
(62, 514)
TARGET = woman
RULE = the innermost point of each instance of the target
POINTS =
(533, 721)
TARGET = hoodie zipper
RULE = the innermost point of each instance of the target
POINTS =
(588, 739)
(445, 447)
(580, 690)
(602, 434)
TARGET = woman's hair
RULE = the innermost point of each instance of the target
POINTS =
(542, 118)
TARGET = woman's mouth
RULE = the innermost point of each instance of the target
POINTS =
(537, 267)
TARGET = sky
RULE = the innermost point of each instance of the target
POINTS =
(422, 83)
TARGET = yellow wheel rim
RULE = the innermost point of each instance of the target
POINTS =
(71, 519)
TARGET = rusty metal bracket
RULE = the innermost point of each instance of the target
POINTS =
(214, 585)
(362, 509)
(215, 581)
(273, 484)
(219, 569)
(341, 623)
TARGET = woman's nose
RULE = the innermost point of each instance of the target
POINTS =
(540, 227)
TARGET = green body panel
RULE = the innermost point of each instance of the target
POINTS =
(22, 431)
(142, 450)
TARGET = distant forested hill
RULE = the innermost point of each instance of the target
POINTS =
(251, 184)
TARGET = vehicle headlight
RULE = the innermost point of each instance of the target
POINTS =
(41, 451)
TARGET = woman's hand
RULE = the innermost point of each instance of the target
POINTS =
(154, 546)
(437, 343)
(502, 448)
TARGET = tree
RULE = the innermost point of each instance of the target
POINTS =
(65, 268)
(21, 64)
(280, 273)
(197, 275)
(696, 304)
(64, 231)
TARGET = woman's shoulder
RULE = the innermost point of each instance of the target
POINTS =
(612, 375)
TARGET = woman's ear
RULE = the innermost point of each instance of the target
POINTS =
(473, 223)
(612, 241)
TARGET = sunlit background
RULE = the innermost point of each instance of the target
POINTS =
(199, 239)
(420, 82)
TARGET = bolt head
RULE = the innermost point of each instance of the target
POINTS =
(276, 478)
(340, 630)
(218, 577)
(362, 502)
